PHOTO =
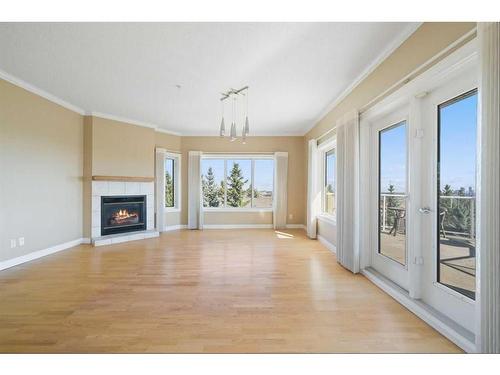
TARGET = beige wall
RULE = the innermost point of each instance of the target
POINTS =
(169, 142)
(41, 167)
(427, 41)
(296, 172)
(122, 149)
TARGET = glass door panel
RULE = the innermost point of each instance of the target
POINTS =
(456, 194)
(392, 193)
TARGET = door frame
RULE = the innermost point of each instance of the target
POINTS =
(411, 94)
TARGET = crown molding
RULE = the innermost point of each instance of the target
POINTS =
(165, 131)
(365, 73)
(38, 91)
(126, 120)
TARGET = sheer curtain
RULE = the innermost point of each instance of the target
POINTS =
(347, 191)
(195, 203)
(313, 196)
(280, 189)
(160, 189)
(488, 337)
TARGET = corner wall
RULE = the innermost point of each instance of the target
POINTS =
(41, 163)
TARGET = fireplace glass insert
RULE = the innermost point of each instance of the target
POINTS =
(122, 214)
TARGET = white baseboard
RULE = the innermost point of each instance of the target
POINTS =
(41, 253)
(327, 244)
(459, 335)
(169, 228)
(296, 226)
(237, 226)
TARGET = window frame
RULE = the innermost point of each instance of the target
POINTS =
(252, 158)
(176, 179)
(323, 150)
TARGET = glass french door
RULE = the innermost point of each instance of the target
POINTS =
(389, 168)
(419, 152)
(448, 210)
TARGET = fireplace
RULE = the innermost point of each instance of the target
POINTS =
(121, 214)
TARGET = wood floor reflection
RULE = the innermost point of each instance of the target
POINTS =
(212, 291)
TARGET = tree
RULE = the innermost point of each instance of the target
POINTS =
(391, 202)
(235, 192)
(210, 190)
(221, 191)
(169, 190)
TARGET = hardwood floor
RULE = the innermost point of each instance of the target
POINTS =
(214, 291)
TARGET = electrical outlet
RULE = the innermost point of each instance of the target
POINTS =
(13, 243)
(21, 241)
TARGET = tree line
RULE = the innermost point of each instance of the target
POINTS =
(236, 193)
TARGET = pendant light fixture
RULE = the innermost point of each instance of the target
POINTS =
(235, 95)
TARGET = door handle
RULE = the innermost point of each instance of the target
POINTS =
(424, 210)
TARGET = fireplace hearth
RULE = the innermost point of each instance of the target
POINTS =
(122, 214)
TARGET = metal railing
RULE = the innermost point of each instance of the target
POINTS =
(448, 202)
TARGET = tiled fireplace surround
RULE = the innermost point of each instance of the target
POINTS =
(114, 188)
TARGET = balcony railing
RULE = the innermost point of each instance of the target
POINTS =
(459, 212)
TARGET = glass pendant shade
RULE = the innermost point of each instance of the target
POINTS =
(233, 131)
(247, 126)
(222, 131)
(244, 136)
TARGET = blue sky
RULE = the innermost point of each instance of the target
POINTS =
(393, 158)
(458, 148)
(458, 143)
(169, 166)
(330, 170)
(264, 171)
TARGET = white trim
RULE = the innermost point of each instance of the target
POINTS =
(242, 155)
(296, 226)
(327, 218)
(446, 327)
(172, 209)
(238, 226)
(169, 228)
(330, 246)
(129, 121)
(237, 209)
(165, 131)
(41, 253)
(365, 73)
(38, 91)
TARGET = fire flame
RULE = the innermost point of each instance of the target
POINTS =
(122, 214)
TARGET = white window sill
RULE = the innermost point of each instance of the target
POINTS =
(172, 209)
(205, 209)
(330, 219)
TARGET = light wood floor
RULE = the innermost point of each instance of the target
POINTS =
(213, 291)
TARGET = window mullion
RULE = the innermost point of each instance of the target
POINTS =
(251, 183)
(225, 183)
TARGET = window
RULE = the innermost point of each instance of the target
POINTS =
(233, 183)
(172, 181)
(392, 192)
(169, 183)
(327, 179)
(329, 183)
(456, 192)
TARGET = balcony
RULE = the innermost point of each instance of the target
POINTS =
(457, 238)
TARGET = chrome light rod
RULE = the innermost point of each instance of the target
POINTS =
(228, 94)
